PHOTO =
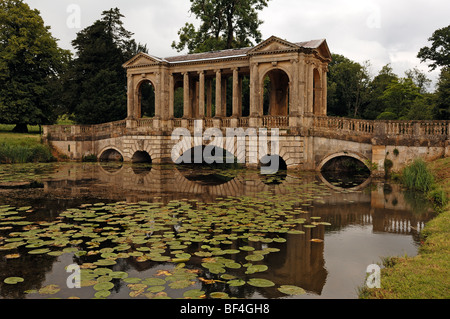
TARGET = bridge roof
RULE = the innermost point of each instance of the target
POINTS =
(266, 46)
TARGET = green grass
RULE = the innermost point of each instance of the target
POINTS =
(22, 148)
(427, 275)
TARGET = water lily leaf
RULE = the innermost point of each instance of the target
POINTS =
(132, 280)
(102, 294)
(105, 262)
(13, 280)
(104, 286)
(291, 290)
(39, 251)
(316, 240)
(236, 282)
(181, 284)
(218, 295)
(254, 257)
(49, 290)
(295, 232)
(259, 282)
(154, 281)
(247, 248)
(118, 274)
(193, 293)
(256, 268)
(155, 289)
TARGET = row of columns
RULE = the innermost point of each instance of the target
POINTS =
(194, 95)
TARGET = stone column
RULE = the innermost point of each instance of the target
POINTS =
(236, 93)
(171, 96)
(201, 94)
(310, 88)
(218, 93)
(209, 98)
(186, 96)
(324, 90)
(254, 91)
(130, 97)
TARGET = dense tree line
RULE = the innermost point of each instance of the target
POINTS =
(39, 81)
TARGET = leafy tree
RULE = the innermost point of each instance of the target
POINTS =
(399, 96)
(419, 79)
(95, 86)
(347, 86)
(376, 105)
(439, 52)
(443, 95)
(30, 66)
(225, 24)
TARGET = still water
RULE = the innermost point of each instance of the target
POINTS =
(166, 231)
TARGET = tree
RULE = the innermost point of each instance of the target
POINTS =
(347, 86)
(225, 24)
(399, 96)
(443, 95)
(439, 52)
(95, 87)
(376, 105)
(419, 79)
(30, 66)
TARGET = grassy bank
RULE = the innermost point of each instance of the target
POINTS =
(426, 276)
(22, 148)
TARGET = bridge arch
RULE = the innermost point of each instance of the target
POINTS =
(110, 154)
(141, 157)
(364, 160)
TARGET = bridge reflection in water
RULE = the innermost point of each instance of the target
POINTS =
(300, 261)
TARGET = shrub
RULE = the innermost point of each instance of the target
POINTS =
(417, 176)
(12, 153)
(90, 158)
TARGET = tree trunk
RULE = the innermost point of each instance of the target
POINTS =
(20, 128)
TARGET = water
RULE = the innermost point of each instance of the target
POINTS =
(364, 221)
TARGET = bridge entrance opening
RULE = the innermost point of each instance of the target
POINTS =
(345, 171)
(111, 155)
(276, 93)
(204, 166)
(141, 157)
(273, 169)
(147, 99)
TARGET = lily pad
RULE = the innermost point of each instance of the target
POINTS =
(104, 286)
(102, 294)
(262, 283)
(218, 295)
(193, 293)
(236, 282)
(13, 280)
(291, 290)
(49, 290)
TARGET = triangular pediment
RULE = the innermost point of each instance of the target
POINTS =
(142, 59)
(274, 44)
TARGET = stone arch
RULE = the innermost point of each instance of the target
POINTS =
(111, 153)
(354, 155)
(278, 87)
(191, 150)
(141, 157)
(138, 100)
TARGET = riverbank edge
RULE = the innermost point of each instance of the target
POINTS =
(427, 275)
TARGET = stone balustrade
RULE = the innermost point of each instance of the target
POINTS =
(342, 128)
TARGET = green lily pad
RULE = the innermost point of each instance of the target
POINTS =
(13, 280)
(259, 282)
(181, 284)
(193, 293)
(218, 295)
(39, 251)
(236, 282)
(102, 294)
(254, 257)
(155, 289)
(104, 286)
(291, 290)
(256, 268)
(154, 281)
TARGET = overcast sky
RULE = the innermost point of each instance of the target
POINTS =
(381, 31)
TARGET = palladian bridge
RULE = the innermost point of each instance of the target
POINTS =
(276, 84)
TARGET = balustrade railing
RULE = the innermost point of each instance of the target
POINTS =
(324, 124)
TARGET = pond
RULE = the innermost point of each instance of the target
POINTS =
(166, 231)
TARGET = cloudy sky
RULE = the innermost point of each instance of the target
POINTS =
(380, 31)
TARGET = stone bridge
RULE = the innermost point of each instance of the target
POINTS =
(274, 85)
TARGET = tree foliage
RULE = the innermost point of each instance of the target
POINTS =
(225, 24)
(95, 86)
(439, 52)
(30, 67)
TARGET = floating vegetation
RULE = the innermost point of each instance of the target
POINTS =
(204, 249)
